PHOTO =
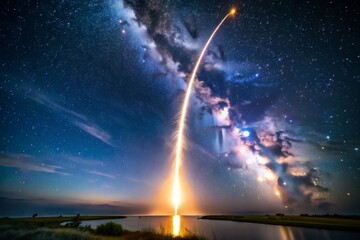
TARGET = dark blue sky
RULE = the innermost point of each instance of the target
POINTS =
(90, 93)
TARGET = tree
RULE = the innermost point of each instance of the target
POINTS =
(75, 222)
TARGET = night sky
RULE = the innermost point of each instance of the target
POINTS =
(91, 91)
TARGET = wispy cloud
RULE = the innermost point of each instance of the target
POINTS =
(27, 162)
(101, 174)
(83, 161)
(94, 131)
(73, 117)
(20, 206)
(44, 100)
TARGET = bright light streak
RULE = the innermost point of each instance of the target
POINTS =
(176, 225)
(176, 195)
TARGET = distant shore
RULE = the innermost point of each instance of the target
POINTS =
(331, 222)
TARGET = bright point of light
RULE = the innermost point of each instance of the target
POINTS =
(233, 11)
(260, 179)
(356, 149)
(277, 193)
(327, 137)
(245, 133)
(224, 113)
(284, 183)
(257, 75)
(123, 31)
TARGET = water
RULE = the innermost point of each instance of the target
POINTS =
(215, 229)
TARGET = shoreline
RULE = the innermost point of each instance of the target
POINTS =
(52, 228)
(318, 222)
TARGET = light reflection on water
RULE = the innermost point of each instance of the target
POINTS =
(286, 233)
(176, 225)
(212, 229)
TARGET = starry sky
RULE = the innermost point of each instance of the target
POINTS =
(91, 91)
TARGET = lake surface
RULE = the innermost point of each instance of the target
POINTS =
(216, 229)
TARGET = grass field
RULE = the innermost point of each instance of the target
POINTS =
(322, 222)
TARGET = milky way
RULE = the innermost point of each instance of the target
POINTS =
(90, 93)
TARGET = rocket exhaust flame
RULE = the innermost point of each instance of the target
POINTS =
(176, 195)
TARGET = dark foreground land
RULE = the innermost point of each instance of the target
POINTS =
(51, 228)
(331, 222)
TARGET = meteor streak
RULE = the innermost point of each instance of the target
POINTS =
(176, 195)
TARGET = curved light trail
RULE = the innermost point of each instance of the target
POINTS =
(180, 133)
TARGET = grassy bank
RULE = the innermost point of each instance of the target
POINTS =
(323, 222)
(50, 228)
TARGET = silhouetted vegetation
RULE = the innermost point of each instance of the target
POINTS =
(34, 215)
(50, 228)
(109, 229)
(334, 216)
(74, 223)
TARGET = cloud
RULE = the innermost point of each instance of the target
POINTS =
(94, 131)
(44, 100)
(27, 207)
(83, 161)
(27, 162)
(102, 174)
(73, 117)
